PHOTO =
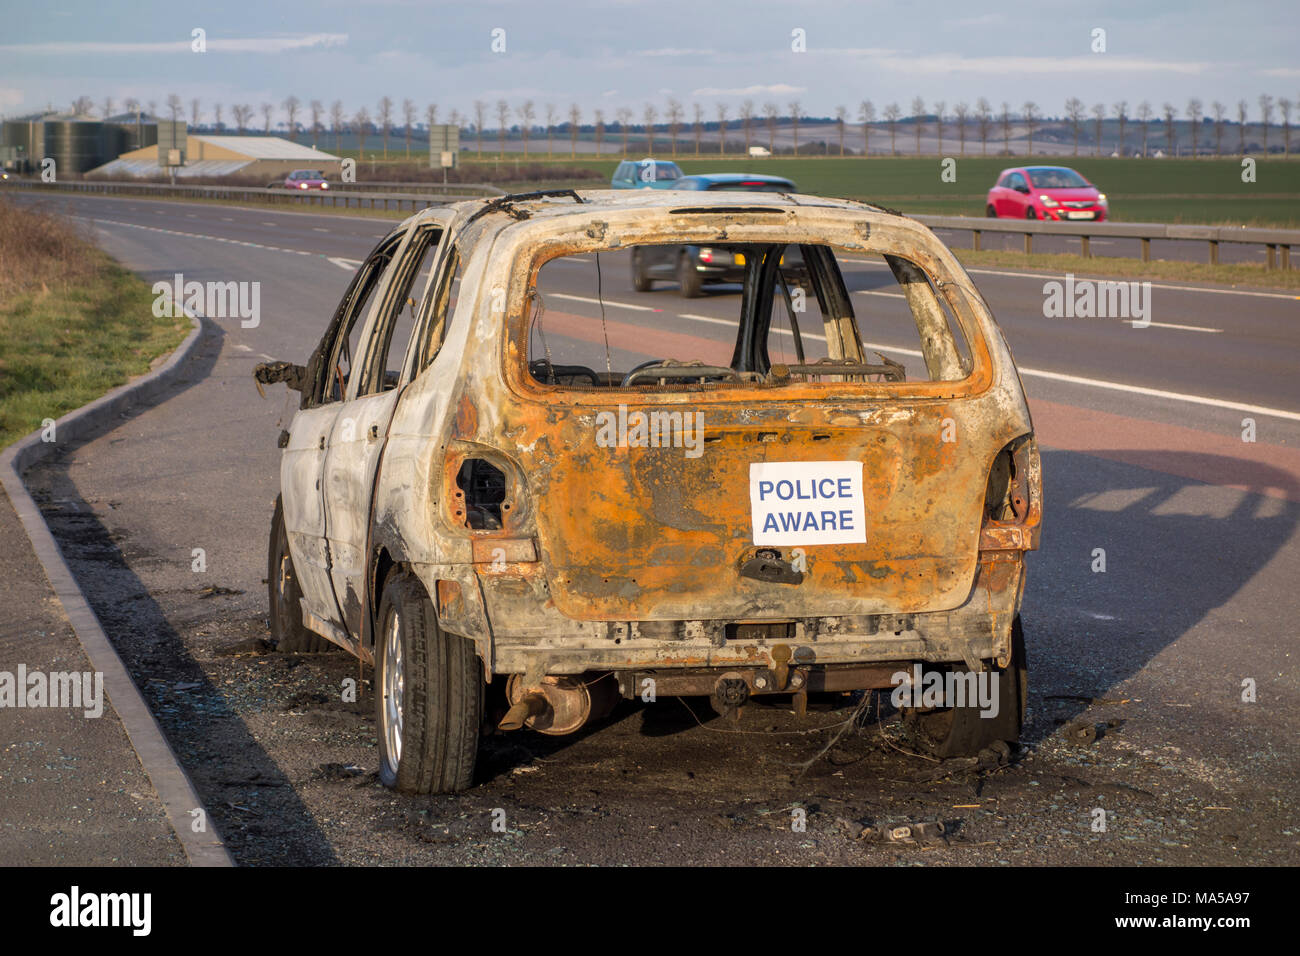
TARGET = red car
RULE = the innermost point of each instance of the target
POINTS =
(1046, 192)
(305, 179)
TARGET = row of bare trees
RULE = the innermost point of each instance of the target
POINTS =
(980, 122)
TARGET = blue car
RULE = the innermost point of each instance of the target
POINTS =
(646, 174)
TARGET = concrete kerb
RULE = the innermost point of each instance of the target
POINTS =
(169, 779)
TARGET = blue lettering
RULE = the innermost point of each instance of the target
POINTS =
(764, 489)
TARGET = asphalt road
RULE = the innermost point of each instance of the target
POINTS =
(1143, 457)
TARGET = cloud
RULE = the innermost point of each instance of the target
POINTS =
(1054, 65)
(10, 96)
(274, 44)
(676, 51)
(775, 89)
(1282, 72)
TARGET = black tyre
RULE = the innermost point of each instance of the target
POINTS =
(690, 280)
(640, 281)
(428, 695)
(288, 633)
(962, 731)
(991, 211)
(1031, 213)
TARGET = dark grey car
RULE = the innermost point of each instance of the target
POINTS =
(693, 267)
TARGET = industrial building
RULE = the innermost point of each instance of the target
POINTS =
(75, 143)
(127, 145)
(262, 157)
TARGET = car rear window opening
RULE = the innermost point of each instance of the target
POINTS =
(672, 316)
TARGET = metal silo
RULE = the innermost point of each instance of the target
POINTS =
(75, 144)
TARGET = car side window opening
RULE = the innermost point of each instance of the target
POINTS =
(1017, 182)
(343, 353)
(770, 314)
(441, 306)
(396, 321)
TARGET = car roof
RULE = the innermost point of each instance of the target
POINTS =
(597, 201)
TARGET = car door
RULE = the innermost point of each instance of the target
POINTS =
(1017, 195)
(360, 428)
(998, 195)
(303, 464)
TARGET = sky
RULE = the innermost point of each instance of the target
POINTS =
(614, 54)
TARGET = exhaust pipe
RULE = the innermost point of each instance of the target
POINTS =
(559, 705)
(525, 709)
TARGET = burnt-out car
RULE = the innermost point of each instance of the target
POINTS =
(511, 471)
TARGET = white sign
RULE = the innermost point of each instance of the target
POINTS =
(807, 502)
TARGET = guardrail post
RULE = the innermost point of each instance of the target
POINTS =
(1146, 250)
(1272, 255)
(1286, 257)
(1029, 243)
(975, 233)
(1085, 248)
(1214, 252)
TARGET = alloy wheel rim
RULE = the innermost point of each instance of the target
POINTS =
(394, 685)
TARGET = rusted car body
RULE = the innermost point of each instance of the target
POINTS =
(578, 570)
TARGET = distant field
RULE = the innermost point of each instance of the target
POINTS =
(1140, 190)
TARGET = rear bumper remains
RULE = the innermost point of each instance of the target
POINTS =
(978, 630)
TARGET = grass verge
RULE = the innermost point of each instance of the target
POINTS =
(73, 323)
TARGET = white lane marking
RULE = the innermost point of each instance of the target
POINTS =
(318, 229)
(196, 235)
(226, 219)
(349, 264)
(1155, 285)
(608, 303)
(1161, 393)
(1071, 379)
(1154, 325)
(1171, 325)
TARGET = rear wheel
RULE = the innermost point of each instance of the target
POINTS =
(963, 731)
(428, 695)
(690, 280)
(991, 211)
(288, 633)
(640, 281)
